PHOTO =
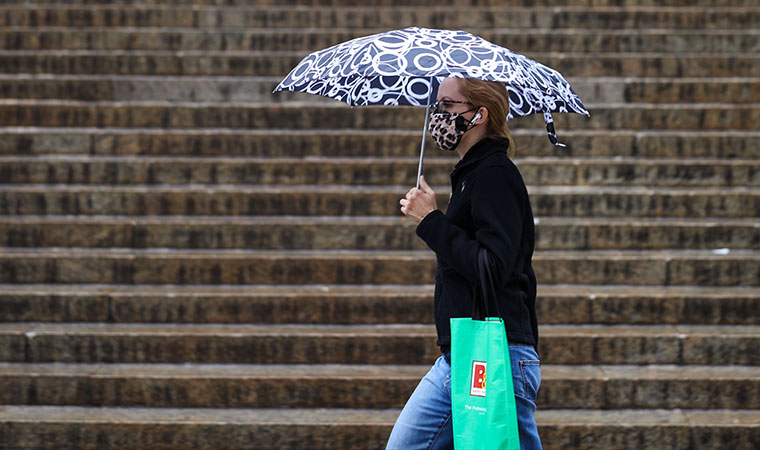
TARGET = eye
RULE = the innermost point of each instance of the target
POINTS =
(441, 106)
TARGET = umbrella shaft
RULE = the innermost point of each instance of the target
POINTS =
(422, 146)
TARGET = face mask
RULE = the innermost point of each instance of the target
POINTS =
(448, 128)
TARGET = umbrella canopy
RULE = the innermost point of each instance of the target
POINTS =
(405, 67)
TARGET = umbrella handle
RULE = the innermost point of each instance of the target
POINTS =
(422, 146)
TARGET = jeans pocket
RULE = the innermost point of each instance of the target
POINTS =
(530, 372)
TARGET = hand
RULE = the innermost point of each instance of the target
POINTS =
(418, 203)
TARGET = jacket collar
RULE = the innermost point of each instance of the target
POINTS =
(478, 152)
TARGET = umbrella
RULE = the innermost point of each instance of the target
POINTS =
(405, 67)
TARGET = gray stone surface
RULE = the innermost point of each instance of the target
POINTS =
(188, 261)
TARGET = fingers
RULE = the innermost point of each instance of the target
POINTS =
(418, 200)
(413, 192)
(425, 188)
(423, 184)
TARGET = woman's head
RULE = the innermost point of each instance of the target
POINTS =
(482, 105)
(493, 96)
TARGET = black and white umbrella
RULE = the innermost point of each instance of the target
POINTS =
(405, 68)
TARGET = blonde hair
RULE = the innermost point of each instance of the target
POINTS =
(493, 96)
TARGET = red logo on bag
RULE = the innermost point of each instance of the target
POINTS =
(478, 384)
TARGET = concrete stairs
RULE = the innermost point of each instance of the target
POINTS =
(188, 261)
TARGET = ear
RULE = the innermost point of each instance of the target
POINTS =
(483, 116)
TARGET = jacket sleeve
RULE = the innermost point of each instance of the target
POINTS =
(497, 209)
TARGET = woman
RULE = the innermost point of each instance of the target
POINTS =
(489, 208)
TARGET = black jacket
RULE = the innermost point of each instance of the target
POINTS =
(489, 208)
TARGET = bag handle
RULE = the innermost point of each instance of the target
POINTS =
(487, 290)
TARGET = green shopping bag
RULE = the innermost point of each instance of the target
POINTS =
(483, 407)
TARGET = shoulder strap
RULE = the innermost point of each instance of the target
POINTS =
(486, 291)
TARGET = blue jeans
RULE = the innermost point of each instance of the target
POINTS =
(425, 421)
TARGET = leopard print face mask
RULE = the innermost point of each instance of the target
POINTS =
(447, 129)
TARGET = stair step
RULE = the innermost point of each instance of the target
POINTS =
(163, 266)
(259, 89)
(360, 233)
(585, 201)
(452, 17)
(290, 39)
(224, 63)
(335, 115)
(146, 88)
(274, 63)
(77, 428)
(366, 171)
(258, 344)
(361, 386)
(668, 90)
(363, 344)
(310, 304)
(631, 387)
(395, 3)
(723, 145)
(212, 385)
(621, 304)
(44, 427)
(378, 304)
(650, 429)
